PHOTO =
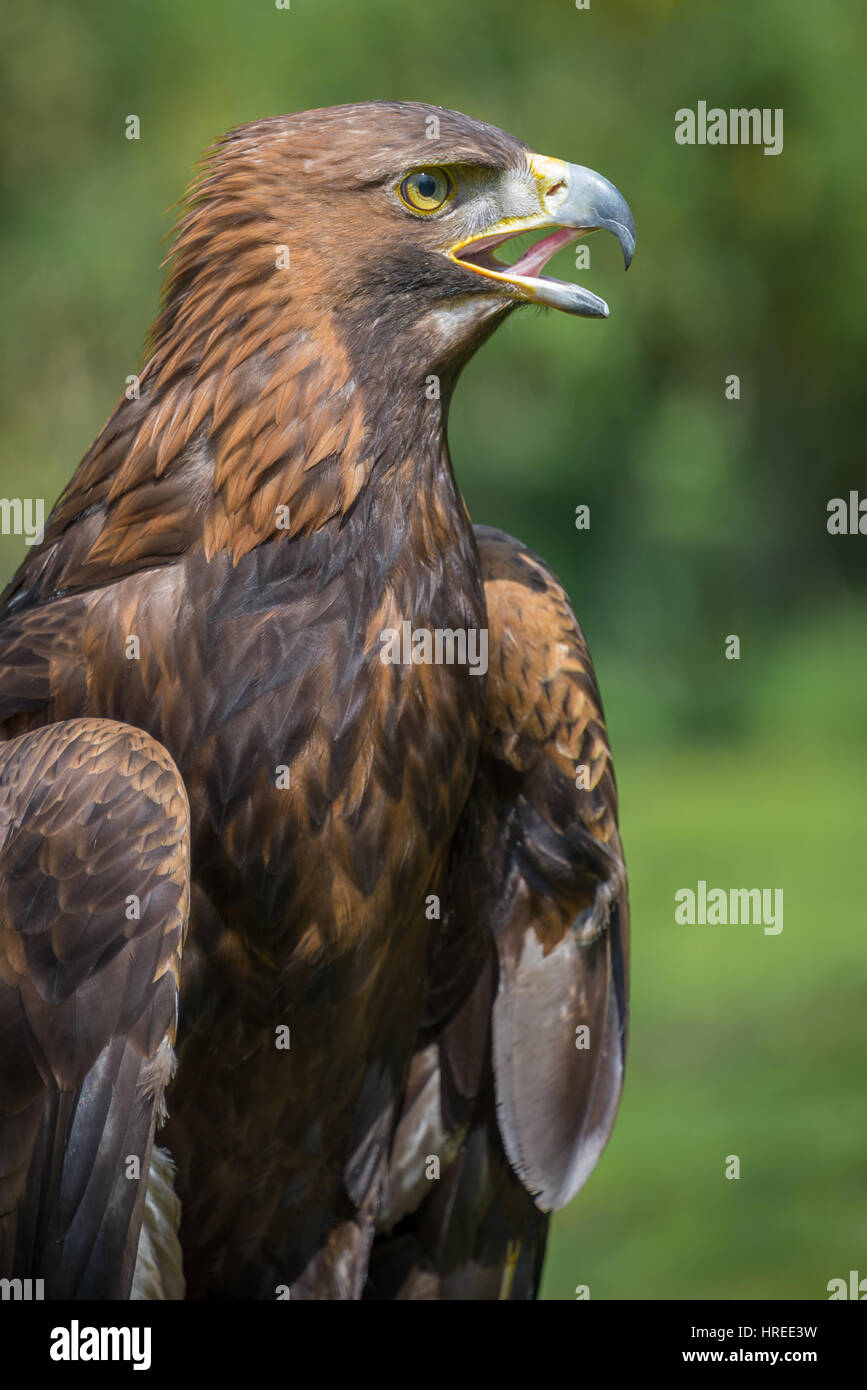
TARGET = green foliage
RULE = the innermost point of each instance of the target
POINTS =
(707, 515)
(740, 1043)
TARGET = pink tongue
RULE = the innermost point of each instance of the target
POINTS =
(538, 256)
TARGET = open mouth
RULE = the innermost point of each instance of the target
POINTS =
(526, 272)
(573, 201)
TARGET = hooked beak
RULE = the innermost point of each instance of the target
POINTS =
(572, 199)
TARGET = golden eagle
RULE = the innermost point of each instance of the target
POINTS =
(305, 788)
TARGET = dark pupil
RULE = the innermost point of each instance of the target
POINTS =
(427, 186)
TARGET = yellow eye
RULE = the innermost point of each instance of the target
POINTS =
(427, 189)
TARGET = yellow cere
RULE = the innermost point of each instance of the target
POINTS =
(548, 173)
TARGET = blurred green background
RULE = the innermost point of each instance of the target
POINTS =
(708, 516)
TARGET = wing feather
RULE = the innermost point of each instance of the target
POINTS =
(532, 948)
(555, 894)
(94, 897)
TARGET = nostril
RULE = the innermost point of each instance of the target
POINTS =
(555, 188)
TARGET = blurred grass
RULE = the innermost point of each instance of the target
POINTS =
(740, 1043)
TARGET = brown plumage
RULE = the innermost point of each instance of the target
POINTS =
(94, 897)
(399, 863)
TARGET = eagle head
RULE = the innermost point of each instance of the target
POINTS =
(387, 217)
